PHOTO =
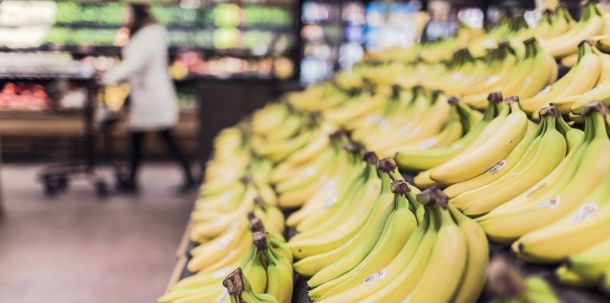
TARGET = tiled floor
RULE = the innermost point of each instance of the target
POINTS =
(76, 248)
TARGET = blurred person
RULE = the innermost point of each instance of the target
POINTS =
(153, 105)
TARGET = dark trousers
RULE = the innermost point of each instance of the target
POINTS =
(172, 146)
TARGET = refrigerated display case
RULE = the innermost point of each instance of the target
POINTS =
(333, 37)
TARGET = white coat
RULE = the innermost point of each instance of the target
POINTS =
(144, 65)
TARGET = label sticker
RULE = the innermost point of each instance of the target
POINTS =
(385, 124)
(584, 212)
(328, 186)
(550, 203)
(492, 79)
(404, 131)
(309, 171)
(330, 200)
(225, 241)
(225, 197)
(425, 144)
(497, 167)
(457, 76)
(376, 276)
(534, 189)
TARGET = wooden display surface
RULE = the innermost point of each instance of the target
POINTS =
(40, 123)
(24, 132)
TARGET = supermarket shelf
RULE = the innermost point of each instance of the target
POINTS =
(194, 27)
(44, 76)
(110, 50)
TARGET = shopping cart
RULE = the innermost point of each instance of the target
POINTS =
(97, 122)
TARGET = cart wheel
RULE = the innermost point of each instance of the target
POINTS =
(50, 187)
(62, 183)
(101, 189)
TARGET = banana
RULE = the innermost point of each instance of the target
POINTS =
(474, 276)
(443, 273)
(425, 126)
(580, 228)
(279, 276)
(215, 249)
(536, 163)
(470, 164)
(333, 196)
(427, 159)
(357, 108)
(570, 60)
(232, 256)
(210, 229)
(402, 272)
(320, 255)
(451, 133)
(496, 171)
(569, 277)
(324, 197)
(314, 148)
(590, 25)
(544, 72)
(531, 74)
(565, 196)
(200, 280)
(393, 238)
(365, 184)
(560, 23)
(401, 220)
(591, 263)
(289, 128)
(587, 71)
(270, 118)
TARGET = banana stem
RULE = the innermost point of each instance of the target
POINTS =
(234, 283)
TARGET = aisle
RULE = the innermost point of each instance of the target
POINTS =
(76, 249)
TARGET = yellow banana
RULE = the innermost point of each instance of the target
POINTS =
(477, 161)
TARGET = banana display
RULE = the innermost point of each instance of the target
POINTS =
(493, 136)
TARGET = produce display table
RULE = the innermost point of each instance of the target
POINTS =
(566, 293)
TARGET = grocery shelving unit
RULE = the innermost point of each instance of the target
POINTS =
(191, 31)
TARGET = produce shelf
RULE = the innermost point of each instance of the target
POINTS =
(566, 293)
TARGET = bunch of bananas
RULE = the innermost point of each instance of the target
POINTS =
(503, 126)
(215, 214)
(266, 277)
(558, 194)
(264, 257)
(368, 243)
(593, 22)
(413, 266)
(533, 158)
(416, 119)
